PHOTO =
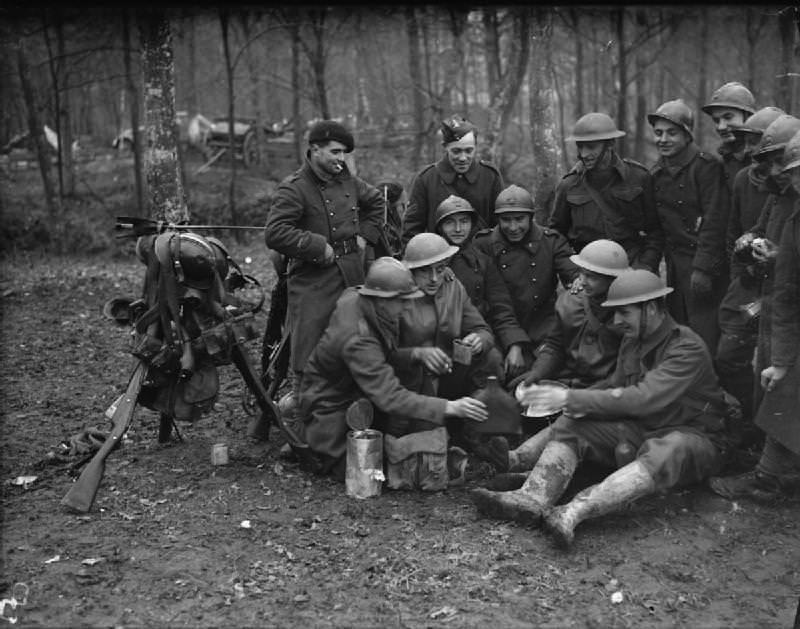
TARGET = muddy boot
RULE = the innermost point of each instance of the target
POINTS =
(494, 451)
(754, 485)
(508, 481)
(623, 486)
(456, 466)
(544, 485)
(525, 456)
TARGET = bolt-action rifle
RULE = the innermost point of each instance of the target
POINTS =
(134, 226)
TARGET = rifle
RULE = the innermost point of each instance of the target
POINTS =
(389, 239)
(134, 226)
(81, 495)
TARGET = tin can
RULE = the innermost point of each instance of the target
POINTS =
(219, 454)
(364, 471)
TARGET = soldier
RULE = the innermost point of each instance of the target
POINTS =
(322, 217)
(605, 196)
(778, 470)
(531, 260)
(478, 274)
(692, 201)
(459, 172)
(350, 363)
(738, 334)
(730, 106)
(582, 348)
(663, 400)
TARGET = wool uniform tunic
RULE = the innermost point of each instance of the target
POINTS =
(308, 212)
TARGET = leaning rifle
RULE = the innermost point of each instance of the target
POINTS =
(81, 495)
(134, 226)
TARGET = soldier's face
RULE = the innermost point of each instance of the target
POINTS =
(794, 177)
(461, 154)
(671, 140)
(594, 284)
(514, 225)
(782, 179)
(724, 119)
(329, 157)
(751, 141)
(594, 155)
(429, 278)
(628, 319)
(456, 227)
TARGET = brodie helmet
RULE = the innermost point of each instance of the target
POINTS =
(603, 256)
(425, 249)
(634, 287)
(593, 127)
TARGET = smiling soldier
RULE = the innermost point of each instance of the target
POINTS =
(730, 106)
(460, 173)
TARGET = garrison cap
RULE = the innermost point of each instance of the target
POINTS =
(455, 128)
(331, 131)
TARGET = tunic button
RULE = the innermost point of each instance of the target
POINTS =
(327, 200)
(533, 280)
(505, 266)
(503, 251)
(332, 214)
(333, 229)
(533, 264)
(347, 194)
(680, 202)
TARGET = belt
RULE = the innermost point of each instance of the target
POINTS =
(345, 246)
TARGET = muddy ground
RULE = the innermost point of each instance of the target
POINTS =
(166, 542)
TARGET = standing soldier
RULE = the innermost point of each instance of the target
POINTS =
(460, 173)
(778, 470)
(605, 196)
(692, 201)
(730, 106)
(322, 217)
(531, 260)
(738, 334)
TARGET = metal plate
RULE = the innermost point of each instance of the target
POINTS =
(539, 411)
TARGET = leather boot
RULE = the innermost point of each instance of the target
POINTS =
(494, 451)
(508, 481)
(525, 456)
(755, 485)
(544, 485)
(626, 484)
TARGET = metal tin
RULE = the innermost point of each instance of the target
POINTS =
(364, 471)
(219, 454)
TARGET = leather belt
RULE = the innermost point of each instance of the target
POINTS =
(345, 246)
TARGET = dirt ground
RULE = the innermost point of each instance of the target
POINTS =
(174, 541)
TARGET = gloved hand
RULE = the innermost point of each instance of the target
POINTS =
(700, 282)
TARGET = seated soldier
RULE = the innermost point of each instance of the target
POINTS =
(531, 259)
(478, 274)
(663, 399)
(351, 363)
(582, 349)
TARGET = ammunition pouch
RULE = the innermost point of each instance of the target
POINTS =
(417, 460)
(183, 398)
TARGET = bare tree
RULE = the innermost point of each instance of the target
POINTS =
(415, 71)
(224, 22)
(133, 103)
(161, 165)
(788, 23)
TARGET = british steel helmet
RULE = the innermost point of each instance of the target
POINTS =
(734, 95)
(635, 287)
(595, 126)
(451, 205)
(791, 153)
(427, 248)
(776, 135)
(388, 277)
(760, 120)
(603, 256)
(677, 112)
(514, 199)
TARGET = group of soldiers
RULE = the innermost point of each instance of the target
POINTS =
(660, 381)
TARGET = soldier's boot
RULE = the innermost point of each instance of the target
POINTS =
(754, 485)
(544, 485)
(625, 485)
(508, 481)
(525, 456)
(495, 451)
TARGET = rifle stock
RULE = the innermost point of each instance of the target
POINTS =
(83, 491)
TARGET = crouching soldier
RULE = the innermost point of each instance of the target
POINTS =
(350, 363)
(663, 401)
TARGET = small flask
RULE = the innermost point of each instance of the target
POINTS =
(504, 410)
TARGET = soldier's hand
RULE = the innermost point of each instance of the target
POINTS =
(330, 256)
(361, 242)
(467, 408)
(771, 376)
(433, 358)
(474, 342)
(449, 275)
(700, 282)
(743, 242)
(764, 249)
(576, 286)
(544, 396)
(514, 362)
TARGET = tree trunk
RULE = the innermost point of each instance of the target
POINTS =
(224, 22)
(64, 128)
(543, 132)
(641, 111)
(254, 92)
(578, 70)
(415, 72)
(702, 79)
(433, 104)
(54, 78)
(161, 165)
(192, 100)
(622, 78)
(783, 89)
(316, 58)
(36, 131)
(133, 100)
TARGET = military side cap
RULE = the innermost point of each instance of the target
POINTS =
(513, 199)
(455, 128)
(331, 131)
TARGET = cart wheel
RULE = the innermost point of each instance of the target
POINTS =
(250, 149)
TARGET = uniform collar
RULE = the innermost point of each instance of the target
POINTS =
(680, 161)
(322, 177)
(449, 175)
(500, 242)
(667, 327)
(616, 164)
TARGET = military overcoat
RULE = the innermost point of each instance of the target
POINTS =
(307, 212)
